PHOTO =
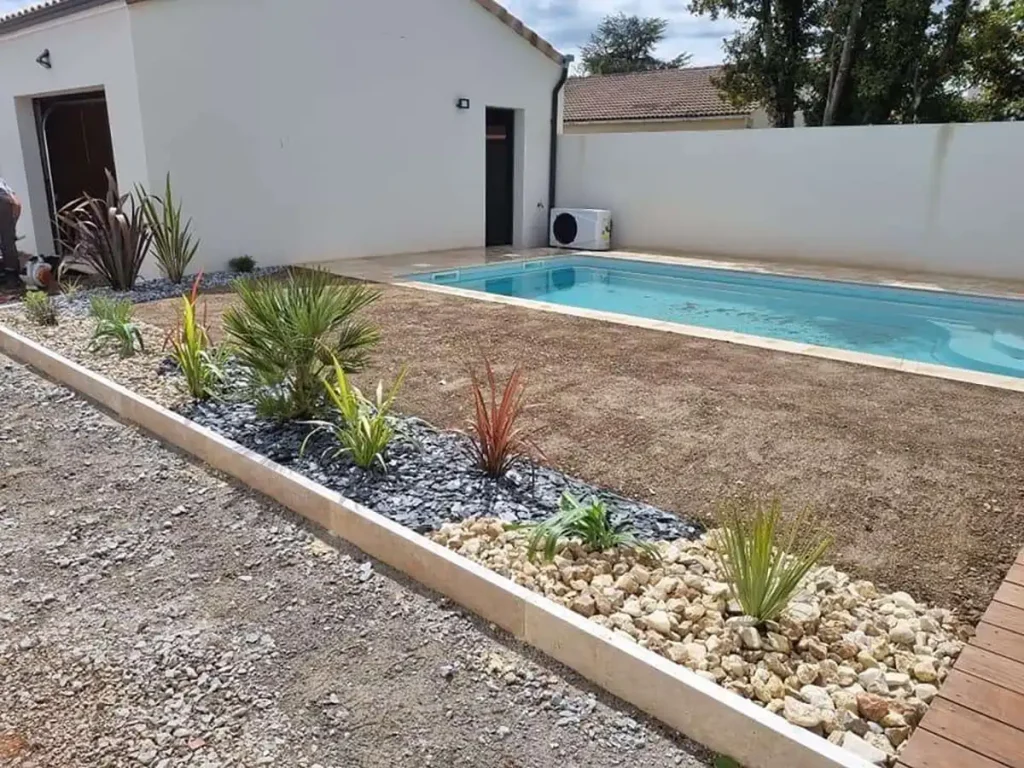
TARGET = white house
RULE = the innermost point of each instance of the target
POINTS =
(293, 131)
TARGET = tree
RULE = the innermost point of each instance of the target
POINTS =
(767, 60)
(994, 60)
(848, 62)
(626, 44)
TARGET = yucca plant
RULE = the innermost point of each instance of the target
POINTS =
(40, 308)
(365, 429)
(591, 524)
(200, 365)
(110, 234)
(498, 440)
(288, 333)
(764, 557)
(173, 243)
(114, 323)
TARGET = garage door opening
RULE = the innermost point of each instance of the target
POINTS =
(77, 150)
(501, 162)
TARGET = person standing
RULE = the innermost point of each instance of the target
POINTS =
(10, 211)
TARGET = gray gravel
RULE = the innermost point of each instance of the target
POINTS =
(153, 614)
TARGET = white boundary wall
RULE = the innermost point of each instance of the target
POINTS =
(942, 198)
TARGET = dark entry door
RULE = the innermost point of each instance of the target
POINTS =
(74, 133)
(501, 159)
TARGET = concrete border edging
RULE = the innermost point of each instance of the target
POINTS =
(722, 721)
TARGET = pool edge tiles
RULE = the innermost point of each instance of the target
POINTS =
(839, 354)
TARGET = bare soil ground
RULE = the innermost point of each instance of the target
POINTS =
(152, 614)
(921, 480)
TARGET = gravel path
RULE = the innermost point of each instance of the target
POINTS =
(153, 614)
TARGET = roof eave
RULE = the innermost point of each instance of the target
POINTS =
(44, 13)
(658, 119)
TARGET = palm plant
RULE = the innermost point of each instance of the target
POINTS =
(288, 333)
(200, 365)
(591, 524)
(365, 429)
(114, 323)
(173, 242)
(763, 557)
(111, 235)
(498, 440)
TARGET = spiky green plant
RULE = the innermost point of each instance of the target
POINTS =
(114, 323)
(763, 556)
(109, 234)
(173, 242)
(591, 524)
(365, 429)
(288, 333)
(201, 365)
(40, 308)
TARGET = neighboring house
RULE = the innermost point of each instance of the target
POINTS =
(667, 100)
(293, 131)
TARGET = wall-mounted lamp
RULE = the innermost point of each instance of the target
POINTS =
(462, 103)
(43, 60)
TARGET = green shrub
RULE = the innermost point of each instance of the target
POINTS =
(200, 364)
(111, 235)
(242, 264)
(114, 323)
(590, 524)
(173, 243)
(288, 333)
(764, 557)
(365, 429)
(40, 308)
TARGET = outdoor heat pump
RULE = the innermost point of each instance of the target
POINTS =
(588, 229)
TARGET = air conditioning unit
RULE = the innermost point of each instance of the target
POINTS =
(588, 229)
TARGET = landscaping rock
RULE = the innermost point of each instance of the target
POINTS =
(863, 749)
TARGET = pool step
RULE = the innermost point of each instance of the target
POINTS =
(983, 351)
(1009, 343)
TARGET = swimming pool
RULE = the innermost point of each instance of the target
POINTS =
(972, 332)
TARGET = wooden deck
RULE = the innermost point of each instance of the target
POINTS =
(977, 720)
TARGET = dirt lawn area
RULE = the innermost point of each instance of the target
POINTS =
(921, 480)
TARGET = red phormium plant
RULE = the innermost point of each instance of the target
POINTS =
(497, 440)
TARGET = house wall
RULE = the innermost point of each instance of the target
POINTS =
(944, 198)
(647, 126)
(88, 50)
(300, 132)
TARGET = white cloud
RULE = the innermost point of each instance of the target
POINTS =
(567, 24)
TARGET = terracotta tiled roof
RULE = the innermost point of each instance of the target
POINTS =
(41, 11)
(672, 93)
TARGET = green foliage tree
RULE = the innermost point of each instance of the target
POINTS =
(862, 62)
(626, 44)
(994, 56)
(767, 59)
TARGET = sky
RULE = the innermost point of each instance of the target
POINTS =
(567, 24)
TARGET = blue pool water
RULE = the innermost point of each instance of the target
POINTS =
(972, 332)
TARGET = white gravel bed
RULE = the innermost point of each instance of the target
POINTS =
(846, 661)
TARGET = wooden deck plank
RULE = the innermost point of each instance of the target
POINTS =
(1016, 574)
(981, 734)
(999, 670)
(928, 750)
(1000, 641)
(1010, 594)
(984, 697)
(1004, 616)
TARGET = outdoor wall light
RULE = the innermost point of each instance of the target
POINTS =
(462, 103)
(43, 60)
